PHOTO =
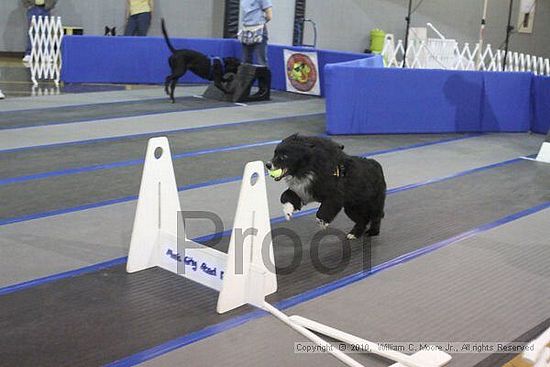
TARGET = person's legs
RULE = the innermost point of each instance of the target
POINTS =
(131, 25)
(143, 23)
(42, 12)
(261, 51)
(29, 17)
(32, 11)
(248, 52)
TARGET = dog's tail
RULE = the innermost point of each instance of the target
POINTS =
(166, 38)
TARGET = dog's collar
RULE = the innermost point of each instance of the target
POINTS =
(339, 171)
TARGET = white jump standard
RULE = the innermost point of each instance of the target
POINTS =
(243, 275)
(155, 235)
(544, 153)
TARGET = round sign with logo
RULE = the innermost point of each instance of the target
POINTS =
(301, 72)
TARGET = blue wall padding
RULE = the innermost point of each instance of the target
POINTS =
(507, 102)
(129, 59)
(362, 97)
(362, 100)
(375, 101)
(145, 59)
(541, 105)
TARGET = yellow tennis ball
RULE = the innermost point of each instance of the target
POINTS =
(276, 173)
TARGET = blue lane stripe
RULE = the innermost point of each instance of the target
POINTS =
(91, 119)
(156, 133)
(187, 339)
(109, 202)
(133, 162)
(421, 145)
(193, 186)
(190, 338)
(343, 282)
(67, 274)
(90, 269)
(91, 105)
(454, 175)
(282, 219)
(68, 171)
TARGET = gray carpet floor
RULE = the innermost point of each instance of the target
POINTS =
(472, 289)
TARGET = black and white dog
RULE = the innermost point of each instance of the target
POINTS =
(317, 169)
(110, 31)
(212, 69)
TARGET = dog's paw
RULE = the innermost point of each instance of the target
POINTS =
(322, 223)
(351, 236)
(288, 209)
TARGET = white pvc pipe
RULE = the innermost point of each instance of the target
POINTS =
(435, 30)
(311, 336)
(354, 340)
(544, 360)
(537, 346)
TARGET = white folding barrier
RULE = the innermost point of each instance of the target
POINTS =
(243, 275)
(538, 352)
(449, 55)
(46, 90)
(544, 152)
(46, 34)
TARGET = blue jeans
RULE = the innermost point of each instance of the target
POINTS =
(259, 49)
(138, 24)
(37, 11)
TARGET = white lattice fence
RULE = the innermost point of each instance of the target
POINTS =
(448, 54)
(46, 34)
(46, 90)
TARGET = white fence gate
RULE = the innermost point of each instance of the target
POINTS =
(46, 34)
(450, 55)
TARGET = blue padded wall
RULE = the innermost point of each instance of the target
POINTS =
(145, 59)
(363, 100)
(366, 101)
(362, 97)
(541, 105)
(130, 59)
(507, 102)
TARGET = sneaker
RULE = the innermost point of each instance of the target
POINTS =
(2, 96)
(27, 59)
